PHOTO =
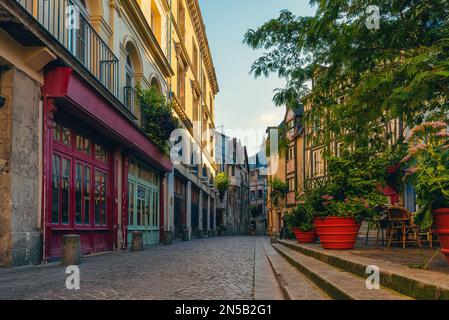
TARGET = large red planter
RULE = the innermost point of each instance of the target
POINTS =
(441, 223)
(305, 237)
(337, 233)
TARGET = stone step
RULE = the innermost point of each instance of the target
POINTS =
(416, 283)
(338, 284)
(293, 284)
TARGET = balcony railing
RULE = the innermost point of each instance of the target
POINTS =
(130, 98)
(65, 22)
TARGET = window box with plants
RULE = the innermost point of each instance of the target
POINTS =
(428, 158)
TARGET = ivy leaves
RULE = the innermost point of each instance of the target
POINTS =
(157, 119)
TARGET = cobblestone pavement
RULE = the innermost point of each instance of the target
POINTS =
(215, 268)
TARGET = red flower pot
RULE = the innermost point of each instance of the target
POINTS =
(441, 223)
(305, 237)
(337, 233)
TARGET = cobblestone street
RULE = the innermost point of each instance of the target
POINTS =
(215, 268)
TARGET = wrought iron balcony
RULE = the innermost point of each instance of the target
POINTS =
(65, 22)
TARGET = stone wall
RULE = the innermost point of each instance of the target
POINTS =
(20, 234)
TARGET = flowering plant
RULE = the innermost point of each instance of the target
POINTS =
(428, 158)
(303, 215)
(359, 208)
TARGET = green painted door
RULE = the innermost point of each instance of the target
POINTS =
(144, 207)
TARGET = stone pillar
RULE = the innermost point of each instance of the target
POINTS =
(215, 214)
(200, 216)
(71, 250)
(189, 209)
(208, 213)
(20, 222)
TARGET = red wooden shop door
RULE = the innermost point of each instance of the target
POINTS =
(80, 195)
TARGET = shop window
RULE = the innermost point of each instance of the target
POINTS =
(61, 134)
(82, 194)
(142, 206)
(65, 190)
(83, 144)
(55, 189)
(131, 187)
(100, 153)
(155, 208)
(100, 198)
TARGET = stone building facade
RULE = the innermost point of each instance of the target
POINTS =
(233, 211)
(258, 198)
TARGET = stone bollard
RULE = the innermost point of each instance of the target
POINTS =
(137, 241)
(168, 238)
(185, 234)
(71, 250)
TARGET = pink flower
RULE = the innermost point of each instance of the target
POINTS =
(443, 134)
(414, 150)
(407, 158)
(327, 197)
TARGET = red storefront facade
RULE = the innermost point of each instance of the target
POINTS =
(87, 144)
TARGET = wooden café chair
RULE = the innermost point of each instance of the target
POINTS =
(401, 225)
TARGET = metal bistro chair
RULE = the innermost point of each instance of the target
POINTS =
(401, 224)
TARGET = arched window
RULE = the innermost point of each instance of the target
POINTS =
(129, 84)
(155, 84)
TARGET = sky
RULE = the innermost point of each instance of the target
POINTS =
(243, 101)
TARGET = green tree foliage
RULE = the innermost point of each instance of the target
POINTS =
(399, 71)
(158, 120)
(429, 158)
(222, 182)
(278, 189)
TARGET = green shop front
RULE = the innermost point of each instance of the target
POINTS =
(144, 201)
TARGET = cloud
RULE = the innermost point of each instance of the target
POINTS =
(273, 117)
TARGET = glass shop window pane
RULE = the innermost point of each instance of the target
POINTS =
(57, 132)
(100, 198)
(78, 193)
(66, 134)
(56, 178)
(131, 204)
(65, 186)
(87, 186)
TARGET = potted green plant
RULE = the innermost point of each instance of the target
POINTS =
(300, 221)
(350, 196)
(428, 158)
(278, 190)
